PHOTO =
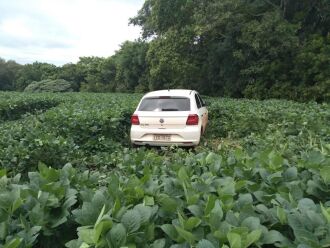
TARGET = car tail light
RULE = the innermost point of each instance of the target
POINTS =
(192, 120)
(135, 120)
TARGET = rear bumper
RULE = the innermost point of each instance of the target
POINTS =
(188, 136)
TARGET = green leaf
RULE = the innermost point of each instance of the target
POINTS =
(90, 209)
(148, 200)
(58, 222)
(325, 174)
(73, 243)
(210, 158)
(182, 175)
(168, 204)
(3, 230)
(3, 172)
(192, 223)
(116, 237)
(214, 160)
(204, 243)
(306, 204)
(47, 172)
(188, 236)
(234, 240)
(100, 216)
(14, 243)
(253, 237)
(116, 207)
(84, 245)
(170, 231)
(291, 173)
(196, 210)
(210, 204)
(86, 234)
(113, 184)
(158, 243)
(145, 212)
(244, 199)
(326, 213)
(181, 219)
(273, 237)
(216, 215)
(315, 159)
(281, 215)
(150, 232)
(17, 203)
(102, 227)
(275, 160)
(251, 222)
(70, 202)
(132, 220)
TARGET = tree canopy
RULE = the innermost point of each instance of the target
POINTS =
(235, 48)
(48, 85)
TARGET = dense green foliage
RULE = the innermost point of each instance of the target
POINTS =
(257, 49)
(14, 106)
(74, 131)
(260, 178)
(48, 85)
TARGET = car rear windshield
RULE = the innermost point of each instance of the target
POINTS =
(165, 104)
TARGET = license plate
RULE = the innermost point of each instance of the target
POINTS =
(162, 137)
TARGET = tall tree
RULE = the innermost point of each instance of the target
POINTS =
(238, 48)
(34, 72)
(131, 66)
(8, 74)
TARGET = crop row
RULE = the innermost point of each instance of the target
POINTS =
(13, 106)
(74, 131)
(86, 128)
(290, 127)
(176, 199)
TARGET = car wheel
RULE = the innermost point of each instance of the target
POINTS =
(134, 145)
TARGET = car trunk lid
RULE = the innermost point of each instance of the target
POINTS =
(163, 120)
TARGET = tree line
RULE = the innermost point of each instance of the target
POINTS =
(236, 48)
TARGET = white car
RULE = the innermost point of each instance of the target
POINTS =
(169, 117)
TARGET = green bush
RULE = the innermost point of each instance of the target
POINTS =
(48, 85)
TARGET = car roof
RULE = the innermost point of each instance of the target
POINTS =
(173, 92)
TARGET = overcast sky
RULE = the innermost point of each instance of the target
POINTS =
(61, 31)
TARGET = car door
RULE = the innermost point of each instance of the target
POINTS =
(203, 111)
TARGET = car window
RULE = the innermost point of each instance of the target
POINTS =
(201, 100)
(165, 104)
(199, 105)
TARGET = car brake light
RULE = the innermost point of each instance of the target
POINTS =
(135, 120)
(192, 120)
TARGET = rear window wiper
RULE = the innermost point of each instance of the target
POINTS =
(170, 109)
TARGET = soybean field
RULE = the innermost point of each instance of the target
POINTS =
(70, 178)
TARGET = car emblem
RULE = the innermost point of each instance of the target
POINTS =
(161, 120)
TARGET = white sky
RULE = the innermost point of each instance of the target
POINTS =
(61, 31)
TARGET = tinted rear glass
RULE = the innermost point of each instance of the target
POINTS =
(165, 104)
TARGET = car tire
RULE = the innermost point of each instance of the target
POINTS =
(134, 145)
